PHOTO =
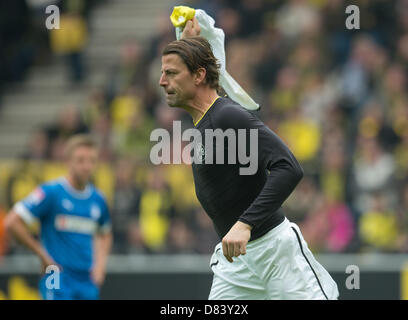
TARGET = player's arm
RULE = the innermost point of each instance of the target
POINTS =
(15, 225)
(103, 244)
(35, 206)
(284, 174)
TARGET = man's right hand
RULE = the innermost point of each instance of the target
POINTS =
(191, 29)
(235, 241)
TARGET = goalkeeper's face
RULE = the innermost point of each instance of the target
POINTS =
(82, 164)
(178, 83)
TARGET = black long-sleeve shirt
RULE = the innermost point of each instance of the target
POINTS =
(228, 196)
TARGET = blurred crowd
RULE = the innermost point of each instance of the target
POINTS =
(337, 97)
(24, 40)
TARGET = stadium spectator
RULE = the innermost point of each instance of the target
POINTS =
(155, 211)
(69, 123)
(126, 203)
(22, 179)
(401, 150)
(71, 38)
(373, 171)
(128, 72)
(378, 226)
(38, 146)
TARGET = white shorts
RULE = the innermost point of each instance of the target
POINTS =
(278, 265)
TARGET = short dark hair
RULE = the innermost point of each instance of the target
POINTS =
(196, 53)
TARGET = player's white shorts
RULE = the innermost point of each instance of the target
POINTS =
(278, 265)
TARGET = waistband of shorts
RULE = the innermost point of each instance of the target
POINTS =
(271, 233)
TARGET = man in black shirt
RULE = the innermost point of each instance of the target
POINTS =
(262, 255)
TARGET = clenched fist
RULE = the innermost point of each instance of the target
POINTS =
(191, 29)
(235, 241)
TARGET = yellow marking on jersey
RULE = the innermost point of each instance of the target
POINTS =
(195, 124)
